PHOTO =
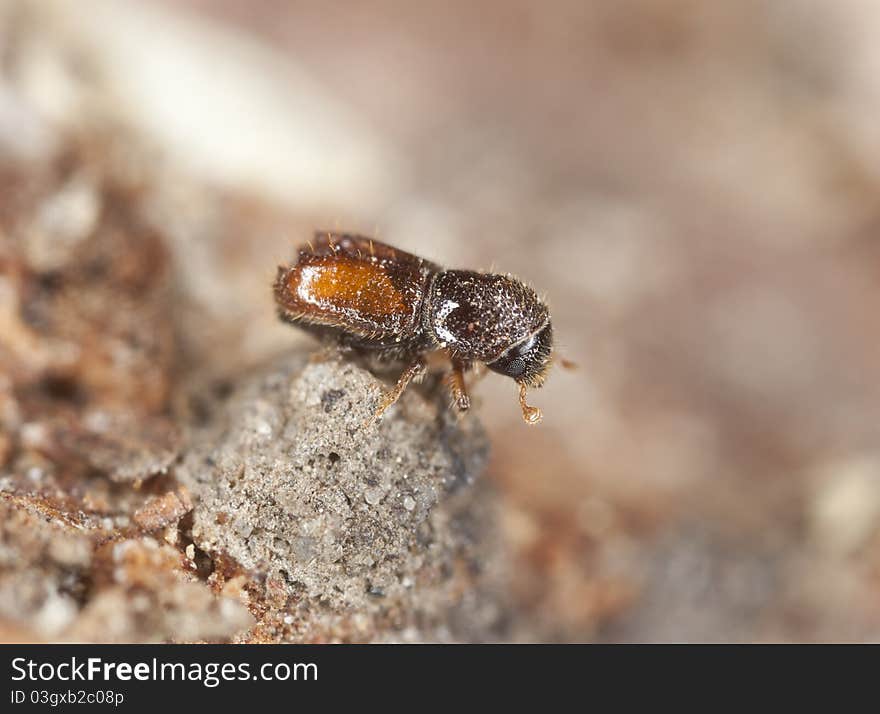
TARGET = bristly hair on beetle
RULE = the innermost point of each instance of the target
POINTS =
(368, 296)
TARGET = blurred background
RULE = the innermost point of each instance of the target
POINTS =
(694, 186)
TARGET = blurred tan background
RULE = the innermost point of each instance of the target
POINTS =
(696, 188)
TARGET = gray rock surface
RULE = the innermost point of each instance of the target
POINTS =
(342, 521)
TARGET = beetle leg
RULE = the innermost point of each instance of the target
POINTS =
(457, 387)
(415, 370)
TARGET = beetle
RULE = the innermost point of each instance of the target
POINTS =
(372, 298)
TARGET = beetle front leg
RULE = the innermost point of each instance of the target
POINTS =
(457, 388)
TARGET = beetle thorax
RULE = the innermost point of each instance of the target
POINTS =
(477, 316)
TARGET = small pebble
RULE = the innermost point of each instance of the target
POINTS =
(373, 495)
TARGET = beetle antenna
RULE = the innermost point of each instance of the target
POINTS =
(531, 415)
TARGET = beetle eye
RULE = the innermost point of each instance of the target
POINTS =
(513, 362)
(528, 360)
(515, 367)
